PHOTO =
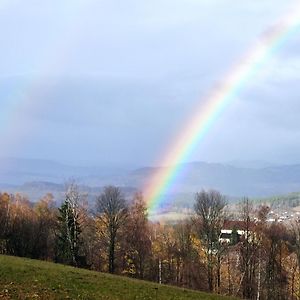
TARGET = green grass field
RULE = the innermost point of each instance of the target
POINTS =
(32, 279)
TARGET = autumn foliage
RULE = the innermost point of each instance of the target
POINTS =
(116, 236)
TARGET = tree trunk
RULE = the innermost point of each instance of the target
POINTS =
(112, 255)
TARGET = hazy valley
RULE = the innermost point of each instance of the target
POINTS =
(35, 178)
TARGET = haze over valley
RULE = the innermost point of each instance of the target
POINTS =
(35, 178)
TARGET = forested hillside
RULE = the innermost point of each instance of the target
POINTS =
(213, 251)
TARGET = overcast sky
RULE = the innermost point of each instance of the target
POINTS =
(114, 82)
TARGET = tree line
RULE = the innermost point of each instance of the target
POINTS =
(116, 236)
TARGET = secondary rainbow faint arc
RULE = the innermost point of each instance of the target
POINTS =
(218, 100)
(28, 96)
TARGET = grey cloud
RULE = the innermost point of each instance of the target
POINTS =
(127, 75)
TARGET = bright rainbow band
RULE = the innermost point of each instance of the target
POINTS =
(219, 99)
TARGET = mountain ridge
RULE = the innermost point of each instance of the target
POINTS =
(35, 176)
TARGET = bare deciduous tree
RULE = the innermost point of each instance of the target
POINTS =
(112, 213)
(137, 235)
(209, 208)
(248, 252)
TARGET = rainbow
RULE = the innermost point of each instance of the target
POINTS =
(218, 100)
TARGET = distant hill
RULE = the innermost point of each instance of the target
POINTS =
(17, 171)
(291, 200)
(230, 180)
(37, 189)
(37, 177)
(22, 278)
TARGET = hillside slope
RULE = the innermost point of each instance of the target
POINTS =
(31, 279)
